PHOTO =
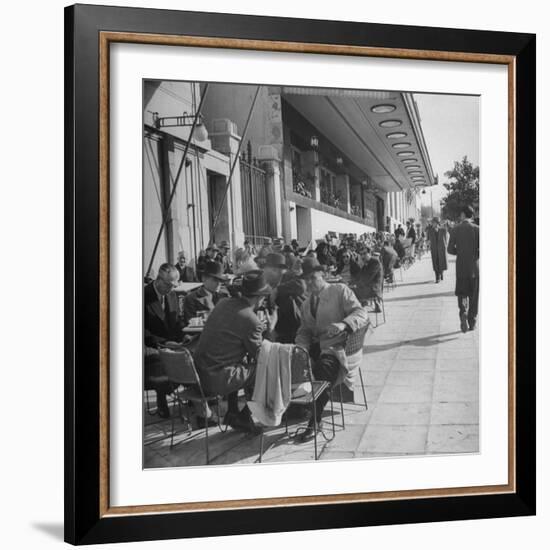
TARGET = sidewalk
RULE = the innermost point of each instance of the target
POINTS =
(421, 377)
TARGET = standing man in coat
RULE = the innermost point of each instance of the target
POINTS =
(464, 244)
(438, 236)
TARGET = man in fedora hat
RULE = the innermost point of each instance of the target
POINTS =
(208, 295)
(228, 346)
(438, 237)
(464, 244)
(330, 311)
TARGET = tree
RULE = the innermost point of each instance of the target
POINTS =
(462, 189)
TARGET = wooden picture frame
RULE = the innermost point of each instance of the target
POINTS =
(89, 32)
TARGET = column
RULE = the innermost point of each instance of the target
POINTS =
(269, 158)
(224, 138)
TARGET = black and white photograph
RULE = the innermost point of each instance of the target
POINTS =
(310, 274)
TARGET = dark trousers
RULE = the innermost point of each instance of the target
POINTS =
(468, 302)
(326, 367)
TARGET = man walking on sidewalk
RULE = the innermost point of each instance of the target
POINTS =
(464, 244)
(438, 238)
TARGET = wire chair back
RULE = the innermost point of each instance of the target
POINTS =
(179, 366)
(356, 340)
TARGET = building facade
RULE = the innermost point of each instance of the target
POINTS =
(314, 161)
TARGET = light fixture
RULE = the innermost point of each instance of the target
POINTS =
(383, 108)
(339, 161)
(415, 173)
(396, 135)
(401, 145)
(418, 178)
(412, 166)
(408, 161)
(405, 153)
(314, 142)
(185, 120)
(390, 123)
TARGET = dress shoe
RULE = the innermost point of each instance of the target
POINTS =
(163, 410)
(241, 422)
(472, 325)
(463, 322)
(308, 434)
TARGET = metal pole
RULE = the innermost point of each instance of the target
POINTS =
(176, 181)
(227, 185)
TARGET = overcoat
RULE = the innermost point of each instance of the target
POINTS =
(464, 244)
(439, 239)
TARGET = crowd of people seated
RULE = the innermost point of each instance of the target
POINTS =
(312, 297)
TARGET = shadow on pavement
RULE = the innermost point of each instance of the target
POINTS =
(419, 296)
(425, 341)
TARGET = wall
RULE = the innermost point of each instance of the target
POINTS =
(322, 222)
(31, 466)
(233, 101)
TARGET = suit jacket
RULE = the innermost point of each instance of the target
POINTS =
(232, 332)
(464, 244)
(200, 300)
(289, 297)
(411, 234)
(187, 274)
(158, 324)
(337, 304)
(369, 279)
(389, 257)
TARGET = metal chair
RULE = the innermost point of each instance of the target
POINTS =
(180, 369)
(301, 372)
(353, 344)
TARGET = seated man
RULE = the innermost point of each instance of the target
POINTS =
(161, 324)
(389, 257)
(368, 280)
(329, 312)
(208, 295)
(286, 298)
(226, 354)
(187, 275)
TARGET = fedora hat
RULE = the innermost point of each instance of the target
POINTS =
(310, 266)
(214, 269)
(224, 244)
(275, 260)
(435, 220)
(254, 284)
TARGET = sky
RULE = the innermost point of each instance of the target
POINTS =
(451, 129)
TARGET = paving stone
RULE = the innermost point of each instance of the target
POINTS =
(455, 413)
(404, 394)
(415, 365)
(453, 439)
(401, 414)
(394, 439)
(409, 378)
(451, 386)
(347, 439)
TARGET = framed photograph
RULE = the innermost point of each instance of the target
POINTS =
(299, 291)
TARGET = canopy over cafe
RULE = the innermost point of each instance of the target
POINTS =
(312, 160)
